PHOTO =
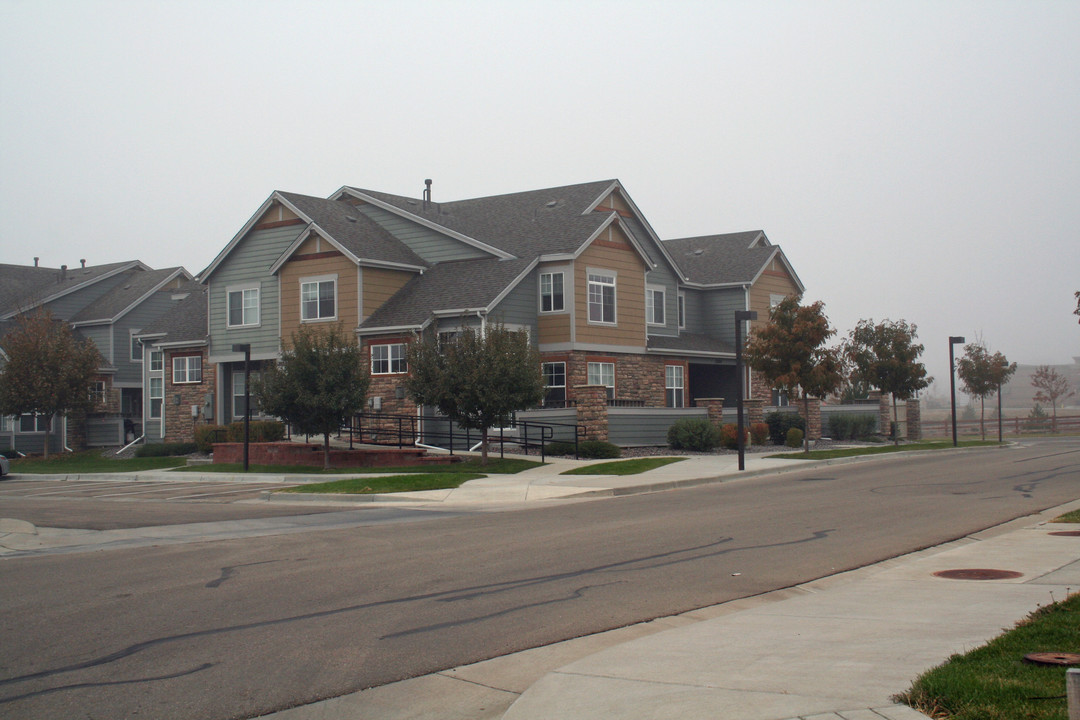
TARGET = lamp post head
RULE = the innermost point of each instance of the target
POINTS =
(956, 340)
(745, 315)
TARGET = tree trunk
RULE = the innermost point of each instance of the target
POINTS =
(326, 451)
(895, 423)
(982, 418)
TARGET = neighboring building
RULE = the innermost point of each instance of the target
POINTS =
(109, 304)
(605, 301)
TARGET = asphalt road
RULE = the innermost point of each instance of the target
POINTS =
(238, 628)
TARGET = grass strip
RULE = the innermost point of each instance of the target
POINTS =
(495, 466)
(90, 462)
(624, 467)
(994, 682)
(1069, 517)
(879, 450)
(387, 484)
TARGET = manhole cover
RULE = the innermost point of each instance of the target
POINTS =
(978, 574)
(1053, 658)
(1067, 533)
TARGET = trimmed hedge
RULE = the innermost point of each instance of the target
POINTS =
(729, 436)
(598, 449)
(165, 449)
(693, 434)
(258, 431)
(780, 422)
(759, 433)
(794, 438)
(558, 447)
(852, 427)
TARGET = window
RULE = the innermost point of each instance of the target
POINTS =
(601, 296)
(780, 398)
(157, 396)
(97, 392)
(318, 298)
(388, 359)
(5, 423)
(555, 382)
(682, 311)
(551, 292)
(33, 423)
(155, 361)
(239, 404)
(243, 307)
(654, 305)
(136, 346)
(674, 385)
(775, 300)
(603, 373)
(187, 369)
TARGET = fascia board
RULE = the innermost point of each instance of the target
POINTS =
(391, 329)
(778, 253)
(181, 343)
(690, 353)
(716, 286)
(123, 268)
(426, 223)
(205, 274)
(293, 246)
(172, 276)
(613, 217)
(610, 188)
(652, 233)
(149, 335)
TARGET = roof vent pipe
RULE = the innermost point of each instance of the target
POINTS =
(83, 261)
(36, 261)
(427, 193)
(63, 273)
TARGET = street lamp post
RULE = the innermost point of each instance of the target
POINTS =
(953, 341)
(246, 349)
(741, 316)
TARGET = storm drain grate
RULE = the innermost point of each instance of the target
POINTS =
(978, 574)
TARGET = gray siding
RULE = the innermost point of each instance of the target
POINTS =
(718, 312)
(519, 306)
(695, 314)
(249, 262)
(432, 246)
(563, 421)
(128, 372)
(152, 431)
(661, 276)
(101, 336)
(645, 426)
(104, 432)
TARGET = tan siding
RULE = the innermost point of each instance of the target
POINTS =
(380, 285)
(614, 201)
(554, 328)
(629, 295)
(276, 213)
(771, 282)
(299, 267)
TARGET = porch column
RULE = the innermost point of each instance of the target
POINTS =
(914, 420)
(592, 410)
(755, 410)
(715, 409)
(813, 423)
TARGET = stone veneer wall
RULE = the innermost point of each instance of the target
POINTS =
(637, 377)
(386, 387)
(914, 420)
(179, 425)
(813, 422)
(592, 411)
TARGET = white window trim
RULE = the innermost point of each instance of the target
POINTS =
(775, 300)
(389, 359)
(546, 386)
(134, 357)
(614, 296)
(540, 281)
(682, 310)
(650, 305)
(187, 369)
(319, 279)
(601, 364)
(157, 357)
(681, 387)
(229, 290)
(150, 397)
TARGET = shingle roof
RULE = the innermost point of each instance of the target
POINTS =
(356, 232)
(524, 224)
(690, 342)
(465, 284)
(721, 259)
(23, 287)
(185, 321)
(136, 284)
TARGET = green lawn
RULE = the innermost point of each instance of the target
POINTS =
(1069, 517)
(624, 467)
(387, 484)
(495, 466)
(90, 461)
(879, 449)
(994, 682)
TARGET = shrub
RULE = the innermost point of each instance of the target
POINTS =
(597, 449)
(207, 435)
(165, 449)
(851, 427)
(1037, 419)
(558, 447)
(693, 434)
(794, 438)
(729, 436)
(258, 431)
(779, 424)
(759, 433)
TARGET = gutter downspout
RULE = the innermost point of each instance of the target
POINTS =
(64, 441)
(133, 442)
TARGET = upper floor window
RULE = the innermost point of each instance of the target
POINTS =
(601, 296)
(318, 298)
(187, 369)
(555, 383)
(603, 373)
(155, 361)
(242, 306)
(551, 292)
(682, 310)
(654, 305)
(388, 359)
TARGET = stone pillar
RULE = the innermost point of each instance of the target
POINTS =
(755, 411)
(914, 420)
(813, 423)
(715, 407)
(885, 413)
(592, 411)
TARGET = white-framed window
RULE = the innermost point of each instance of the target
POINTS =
(318, 298)
(555, 384)
(157, 396)
(654, 305)
(779, 398)
(30, 423)
(388, 359)
(136, 346)
(187, 369)
(674, 384)
(156, 361)
(603, 373)
(551, 292)
(601, 296)
(97, 392)
(682, 310)
(239, 403)
(775, 300)
(5, 423)
(242, 306)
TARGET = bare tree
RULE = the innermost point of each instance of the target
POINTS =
(1050, 387)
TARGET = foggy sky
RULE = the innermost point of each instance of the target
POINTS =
(916, 160)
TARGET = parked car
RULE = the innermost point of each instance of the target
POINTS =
(5, 466)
